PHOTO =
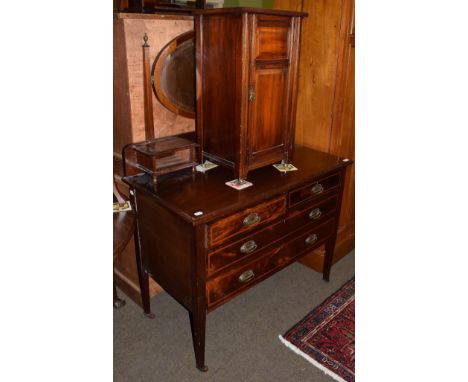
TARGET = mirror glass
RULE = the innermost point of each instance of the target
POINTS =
(174, 75)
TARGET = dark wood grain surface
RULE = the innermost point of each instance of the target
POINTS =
(325, 103)
(227, 285)
(238, 10)
(246, 62)
(240, 237)
(185, 193)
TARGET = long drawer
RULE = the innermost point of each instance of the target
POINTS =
(248, 246)
(239, 277)
(246, 220)
(253, 244)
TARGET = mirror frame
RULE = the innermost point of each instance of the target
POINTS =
(158, 66)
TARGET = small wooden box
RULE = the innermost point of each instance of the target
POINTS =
(159, 156)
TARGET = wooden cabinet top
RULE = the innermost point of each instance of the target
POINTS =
(239, 10)
(187, 13)
(179, 15)
(187, 194)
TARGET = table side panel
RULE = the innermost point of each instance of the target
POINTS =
(167, 243)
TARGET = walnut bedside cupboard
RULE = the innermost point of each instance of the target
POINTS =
(206, 243)
(247, 69)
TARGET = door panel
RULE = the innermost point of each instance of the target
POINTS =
(268, 111)
(269, 90)
(272, 42)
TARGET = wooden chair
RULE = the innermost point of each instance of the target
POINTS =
(124, 229)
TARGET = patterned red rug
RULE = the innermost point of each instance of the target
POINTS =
(325, 337)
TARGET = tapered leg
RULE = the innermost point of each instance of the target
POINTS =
(144, 281)
(145, 297)
(329, 250)
(198, 325)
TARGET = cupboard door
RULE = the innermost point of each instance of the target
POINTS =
(268, 122)
(269, 90)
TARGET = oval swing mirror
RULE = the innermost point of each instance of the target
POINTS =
(174, 75)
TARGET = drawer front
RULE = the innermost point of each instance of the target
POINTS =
(247, 247)
(246, 221)
(317, 189)
(238, 278)
(311, 211)
(272, 36)
(314, 212)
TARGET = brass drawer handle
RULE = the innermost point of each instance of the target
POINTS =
(315, 213)
(311, 239)
(317, 189)
(247, 276)
(252, 219)
(248, 246)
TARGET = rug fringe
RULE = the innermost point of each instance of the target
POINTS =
(311, 360)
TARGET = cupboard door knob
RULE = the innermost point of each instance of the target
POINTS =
(317, 189)
(311, 239)
(252, 219)
(315, 213)
(247, 276)
(248, 246)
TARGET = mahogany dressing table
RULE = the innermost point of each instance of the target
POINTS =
(205, 242)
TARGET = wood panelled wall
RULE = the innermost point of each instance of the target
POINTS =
(325, 105)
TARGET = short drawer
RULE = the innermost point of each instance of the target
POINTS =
(238, 278)
(315, 190)
(246, 220)
(311, 211)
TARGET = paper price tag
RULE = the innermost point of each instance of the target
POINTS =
(122, 207)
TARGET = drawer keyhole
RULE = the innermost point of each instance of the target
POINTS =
(247, 276)
(249, 246)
